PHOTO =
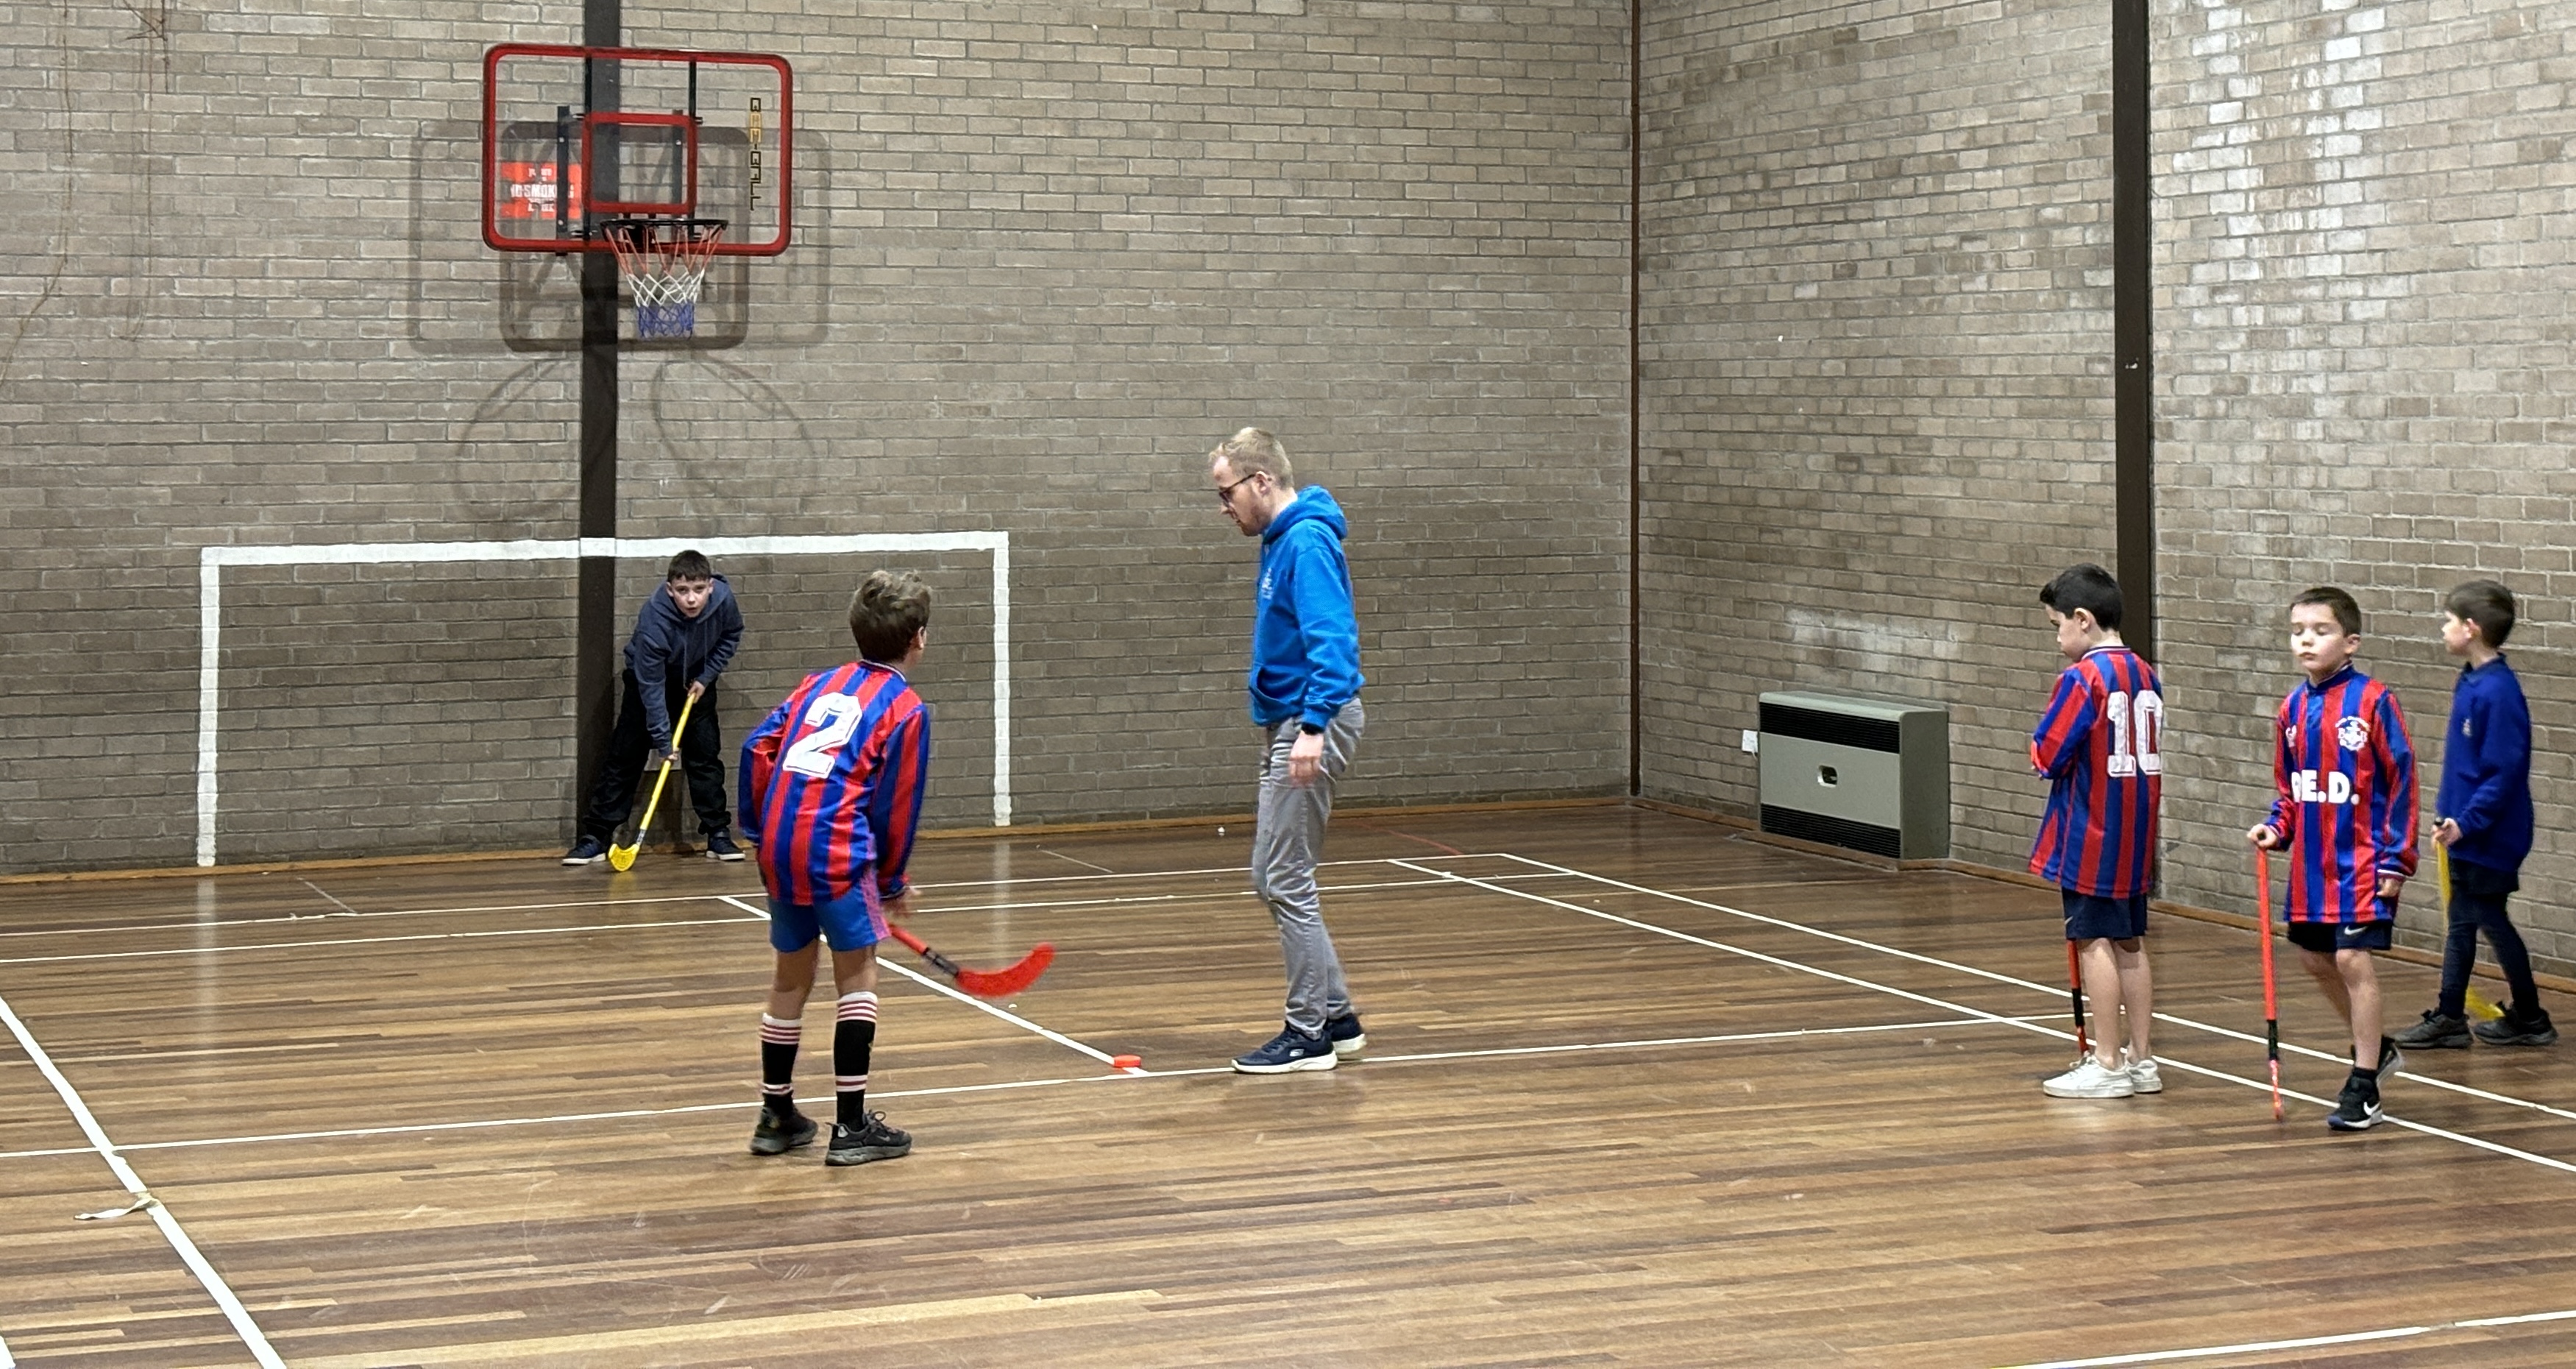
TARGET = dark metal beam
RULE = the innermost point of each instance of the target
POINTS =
(595, 670)
(2133, 327)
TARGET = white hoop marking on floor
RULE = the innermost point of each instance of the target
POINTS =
(210, 614)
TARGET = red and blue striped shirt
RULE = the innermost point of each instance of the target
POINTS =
(2345, 771)
(832, 782)
(2101, 744)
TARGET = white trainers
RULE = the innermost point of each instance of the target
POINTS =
(2090, 1080)
(2144, 1077)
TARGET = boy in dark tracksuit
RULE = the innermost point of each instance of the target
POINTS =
(2485, 824)
(684, 637)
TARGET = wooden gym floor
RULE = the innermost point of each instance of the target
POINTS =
(1639, 1091)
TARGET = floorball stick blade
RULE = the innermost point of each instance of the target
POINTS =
(623, 857)
(1006, 983)
(983, 983)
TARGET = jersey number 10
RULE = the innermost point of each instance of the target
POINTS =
(2137, 733)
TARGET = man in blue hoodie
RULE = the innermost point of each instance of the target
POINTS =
(1305, 691)
(2485, 827)
(684, 637)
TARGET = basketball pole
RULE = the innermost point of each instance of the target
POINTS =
(595, 669)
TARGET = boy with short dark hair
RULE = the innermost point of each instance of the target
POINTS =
(2484, 824)
(2100, 743)
(2345, 771)
(832, 783)
(685, 635)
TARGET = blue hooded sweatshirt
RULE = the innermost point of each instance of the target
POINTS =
(676, 652)
(2486, 768)
(1305, 639)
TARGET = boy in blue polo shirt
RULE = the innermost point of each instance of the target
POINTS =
(2484, 812)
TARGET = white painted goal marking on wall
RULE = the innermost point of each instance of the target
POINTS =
(210, 615)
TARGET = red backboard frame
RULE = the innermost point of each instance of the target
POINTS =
(781, 177)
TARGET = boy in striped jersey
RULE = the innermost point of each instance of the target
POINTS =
(2345, 771)
(832, 784)
(2100, 745)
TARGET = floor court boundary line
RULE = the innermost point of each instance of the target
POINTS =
(1996, 976)
(171, 1231)
(734, 900)
(2474, 1142)
(197, 925)
(968, 999)
(635, 1114)
(369, 941)
(2301, 1343)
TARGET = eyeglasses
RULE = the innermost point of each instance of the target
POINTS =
(1225, 493)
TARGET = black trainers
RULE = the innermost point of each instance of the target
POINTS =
(875, 1141)
(2435, 1033)
(1290, 1052)
(587, 851)
(720, 847)
(2518, 1028)
(2358, 1107)
(2391, 1059)
(776, 1135)
(1345, 1034)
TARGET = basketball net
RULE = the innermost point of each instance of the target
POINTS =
(664, 264)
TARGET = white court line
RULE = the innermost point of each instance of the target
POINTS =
(629, 1114)
(968, 999)
(2287, 1048)
(2391, 1119)
(372, 940)
(676, 922)
(196, 924)
(187, 1250)
(2302, 1343)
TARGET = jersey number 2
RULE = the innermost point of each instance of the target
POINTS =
(833, 717)
(2137, 732)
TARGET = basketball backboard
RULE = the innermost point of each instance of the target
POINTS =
(575, 137)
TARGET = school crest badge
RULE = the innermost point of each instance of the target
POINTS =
(2352, 733)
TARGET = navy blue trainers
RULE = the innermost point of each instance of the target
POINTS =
(1345, 1034)
(587, 851)
(720, 847)
(1290, 1052)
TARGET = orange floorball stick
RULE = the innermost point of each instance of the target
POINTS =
(2271, 1003)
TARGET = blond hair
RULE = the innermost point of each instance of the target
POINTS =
(1253, 450)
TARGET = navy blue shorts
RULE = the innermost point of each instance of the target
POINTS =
(849, 922)
(2326, 938)
(2091, 917)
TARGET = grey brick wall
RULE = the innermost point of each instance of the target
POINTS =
(2363, 293)
(1875, 330)
(1047, 256)
(1873, 346)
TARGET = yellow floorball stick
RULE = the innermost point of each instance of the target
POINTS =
(623, 857)
(2478, 1005)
